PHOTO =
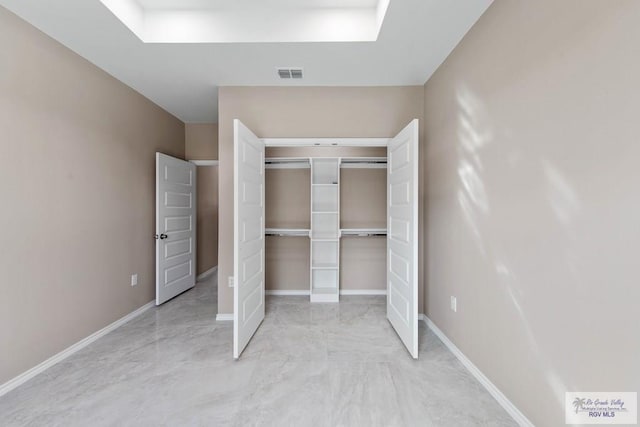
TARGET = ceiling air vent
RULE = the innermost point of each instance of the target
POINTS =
(290, 73)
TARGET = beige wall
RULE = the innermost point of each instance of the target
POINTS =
(78, 196)
(207, 218)
(363, 198)
(287, 263)
(287, 205)
(363, 204)
(363, 263)
(533, 203)
(301, 112)
(201, 143)
(287, 198)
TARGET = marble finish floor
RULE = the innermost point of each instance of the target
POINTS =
(308, 365)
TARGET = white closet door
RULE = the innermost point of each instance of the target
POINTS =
(248, 235)
(175, 227)
(402, 235)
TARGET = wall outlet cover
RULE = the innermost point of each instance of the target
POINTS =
(134, 279)
(231, 281)
(454, 304)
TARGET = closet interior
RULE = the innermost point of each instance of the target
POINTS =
(310, 218)
(325, 216)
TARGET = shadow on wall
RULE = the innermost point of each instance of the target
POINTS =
(475, 134)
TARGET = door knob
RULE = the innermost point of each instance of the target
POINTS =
(163, 236)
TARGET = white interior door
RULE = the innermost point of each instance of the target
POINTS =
(248, 235)
(175, 227)
(402, 235)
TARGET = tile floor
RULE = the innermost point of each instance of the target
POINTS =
(308, 365)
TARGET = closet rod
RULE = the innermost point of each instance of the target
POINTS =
(363, 162)
(287, 163)
(363, 232)
(284, 232)
(365, 235)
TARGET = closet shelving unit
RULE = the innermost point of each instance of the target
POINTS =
(325, 232)
(325, 229)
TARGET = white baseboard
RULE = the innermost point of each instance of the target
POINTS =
(210, 272)
(224, 317)
(511, 409)
(287, 293)
(26, 376)
(363, 292)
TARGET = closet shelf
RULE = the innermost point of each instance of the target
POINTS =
(363, 162)
(287, 163)
(363, 232)
(300, 232)
(325, 267)
(324, 291)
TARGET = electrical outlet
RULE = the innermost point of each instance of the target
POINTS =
(134, 279)
(454, 304)
(231, 281)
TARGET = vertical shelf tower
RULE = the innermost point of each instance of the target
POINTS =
(325, 229)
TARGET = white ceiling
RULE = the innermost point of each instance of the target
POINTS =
(250, 21)
(415, 38)
(219, 4)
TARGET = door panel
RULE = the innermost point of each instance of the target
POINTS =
(175, 227)
(248, 293)
(402, 236)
